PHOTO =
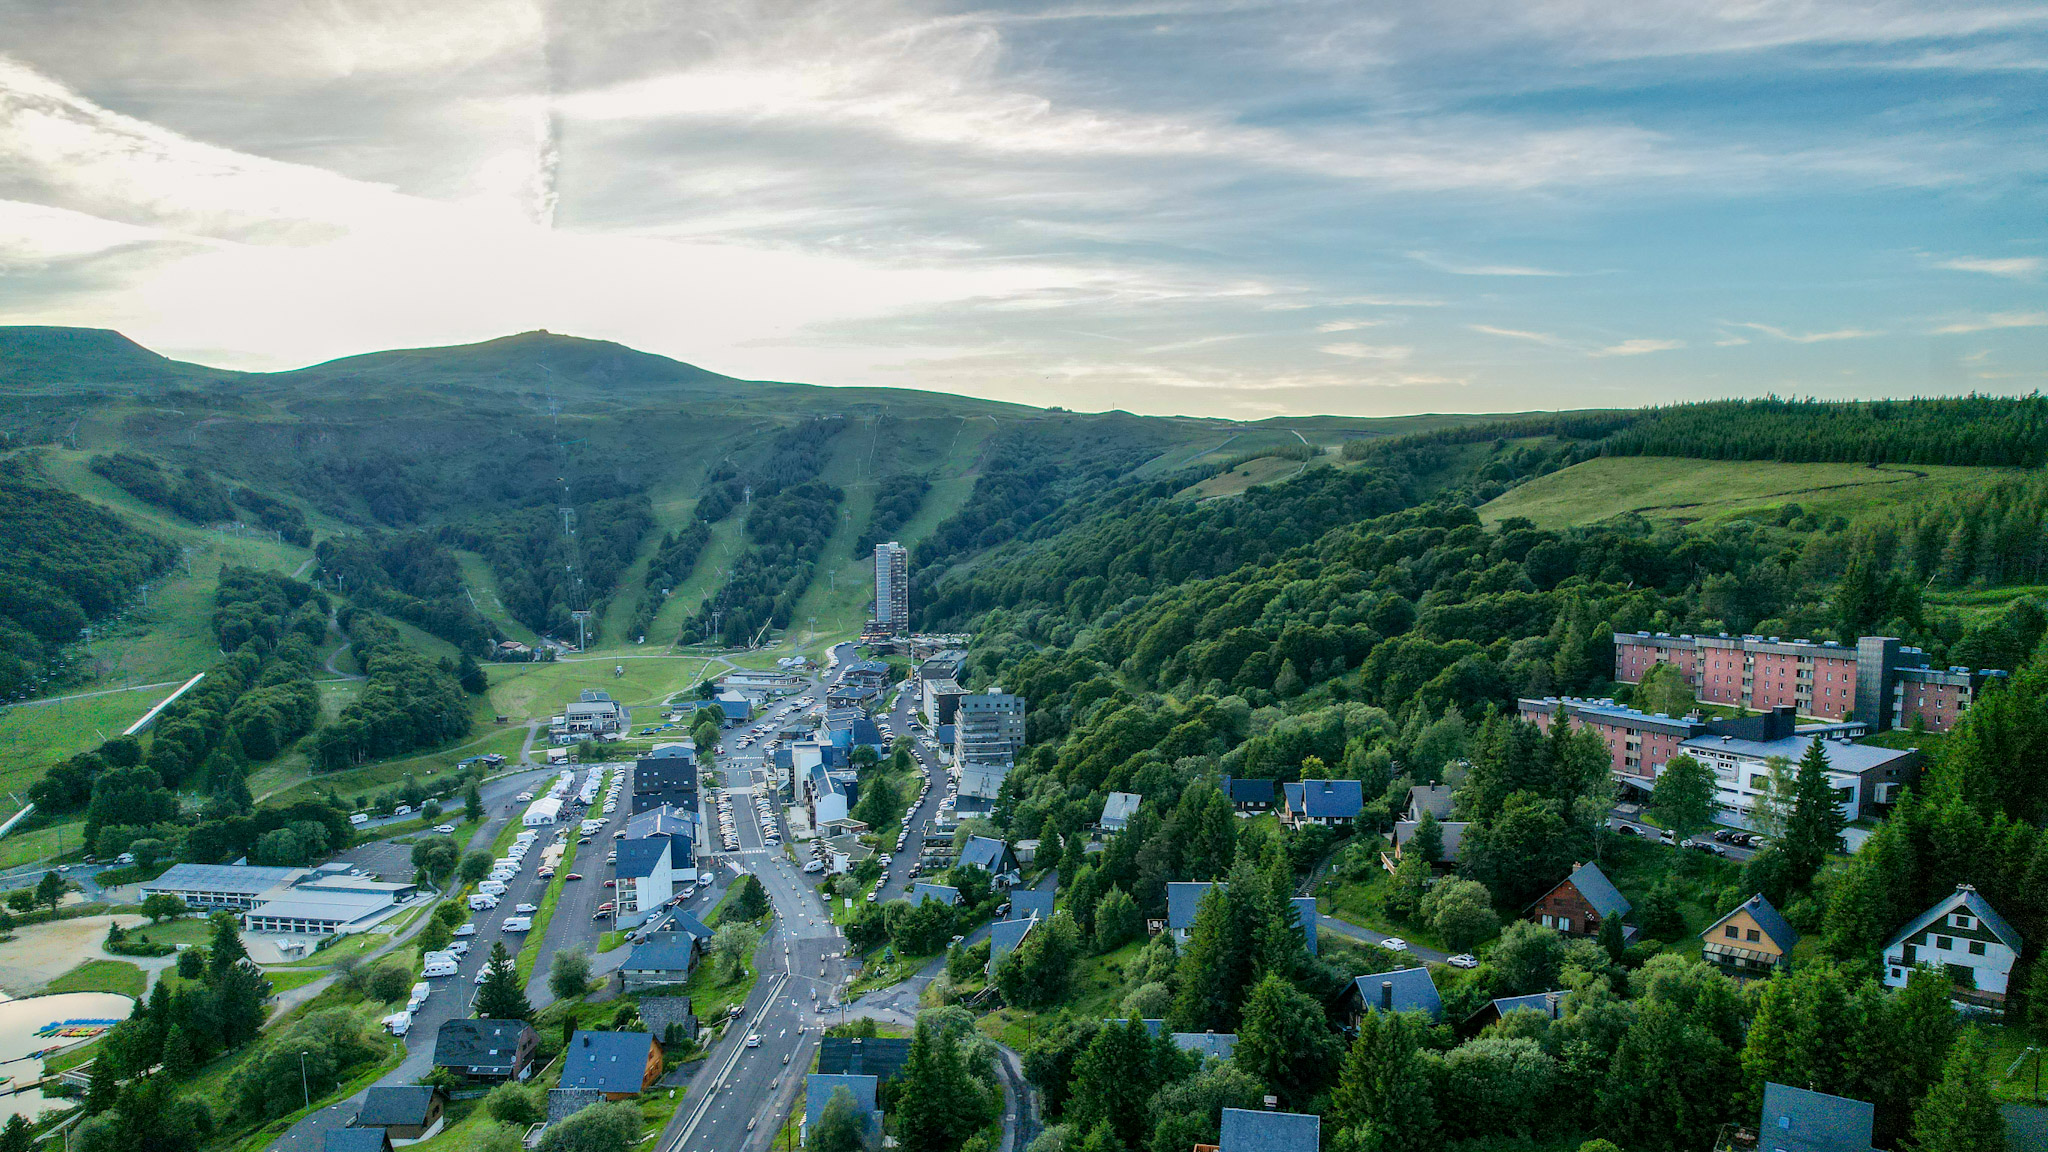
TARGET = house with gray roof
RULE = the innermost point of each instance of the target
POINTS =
(1004, 937)
(669, 1018)
(1434, 799)
(1963, 936)
(1218, 1044)
(989, 854)
(1798, 1120)
(1305, 914)
(1247, 1131)
(1184, 903)
(1753, 940)
(944, 893)
(882, 1057)
(1406, 990)
(1551, 1004)
(1026, 903)
(1248, 795)
(618, 1064)
(818, 1090)
(1153, 1028)
(663, 958)
(356, 1140)
(566, 1102)
(406, 1113)
(486, 1049)
(1118, 810)
(1580, 903)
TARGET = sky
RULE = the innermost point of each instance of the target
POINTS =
(1209, 207)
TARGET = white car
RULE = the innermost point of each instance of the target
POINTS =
(444, 829)
(1394, 944)
(483, 974)
(1463, 960)
(754, 1041)
(464, 930)
(524, 796)
(524, 908)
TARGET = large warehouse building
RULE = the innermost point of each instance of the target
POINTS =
(314, 901)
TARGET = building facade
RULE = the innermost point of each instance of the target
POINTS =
(892, 587)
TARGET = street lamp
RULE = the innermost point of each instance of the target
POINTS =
(304, 1084)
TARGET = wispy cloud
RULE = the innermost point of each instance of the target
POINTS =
(1809, 337)
(1369, 351)
(2010, 267)
(1460, 268)
(1996, 321)
(1521, 334)
(1639, 347)
(1347, 325)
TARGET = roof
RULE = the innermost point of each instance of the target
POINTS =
(985, 853)
(395, 1106)
(1963, 896)
(1414, 991)
(658, 1012)
(880, 1056)
(1247, 1131)
(1842, 755)
(1026, 902)
(1305, 913)
(736, 709)
(1434, 800)
(356, 1140)
(469, 1043)
(1183, 900)
(684, 921)
(983, 780)
(1330, 799)
(339, 907)
(1797, 1120)
(818, 1090)
(1217, 1044)
(667, 820)
(1597, 889)
(663, 952)
(639, 858)
(1767, 918)
(1451, 834)
(1252, 791)
(607, 1061)
(1120, 807)
(943, 893)
(1003, 938)
(1153, 1028)
(1535, 1002)
(867, 667)
(566, 1102)
(222, 878)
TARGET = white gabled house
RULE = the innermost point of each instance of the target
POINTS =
(1964, 936)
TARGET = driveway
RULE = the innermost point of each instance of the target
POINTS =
(1329, 923)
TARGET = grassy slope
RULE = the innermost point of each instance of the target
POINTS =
(1264, 470)
(1711, 491)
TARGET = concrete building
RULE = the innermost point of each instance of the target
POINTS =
(988, 728)
(209, 887)
(892, 587)
(942, 699)
(593, 713)
(313, 901)
(664, 781)
(1879, 681)
(646, 876)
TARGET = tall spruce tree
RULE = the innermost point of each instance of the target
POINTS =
(1813, 830)
(501, 997)
(1959, 1114)
(1383, 1099)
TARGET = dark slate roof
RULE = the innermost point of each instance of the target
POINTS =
(385, 1107)
(1332, 799)
(1797, 1120)
(735, 710)
(667, 820)
(879, 1056)
(1217, 1044)
(983, 852)
(1026, 901)
(944, 893)
(1183, 900)
(663, 952)
(1414, 991)
(1153, 1028)
(869, 667)
(1253, 791)
(818, 1089)
(468, 1043)
(1305, 912)
(1434, 800)
(1963, 896)
(356, 1140)
(1535, 1002)
(658, 1012)
(1598, 890)
(606, 1061)
(1767, 918)
(639, 858)
(687, 922)
(566, 1102)
(1004, 937)
(1247, 1131)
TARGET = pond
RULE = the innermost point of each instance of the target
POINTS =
(45, 1025)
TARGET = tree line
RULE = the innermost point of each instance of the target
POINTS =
(787, 531)
(411, 576)
(408, 700)
(544, 575)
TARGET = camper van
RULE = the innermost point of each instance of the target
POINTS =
(398, 1023)
(359, 819)
(517, 924)
(440, 967)
(443, 957)
(492, 888)
(482, 901)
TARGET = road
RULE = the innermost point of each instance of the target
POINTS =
(897, 879)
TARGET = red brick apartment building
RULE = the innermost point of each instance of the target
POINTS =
(1879, 682)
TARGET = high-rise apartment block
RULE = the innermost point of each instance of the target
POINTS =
(892, 587)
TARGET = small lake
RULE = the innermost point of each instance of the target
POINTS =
(40, 1022)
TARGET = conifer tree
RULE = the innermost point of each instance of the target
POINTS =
(1813, 830)
(1383, 1098)
(501, 997)
(1959, 1114)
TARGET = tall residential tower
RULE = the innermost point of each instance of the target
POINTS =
(892, 587)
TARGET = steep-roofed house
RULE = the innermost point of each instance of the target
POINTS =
(1551, 1004)
(1332, 803)
(1253, 795)
(989, 854)
(1580, 902)
(1965, 937)
(618, 1064)
(356, 1140)
(1751, 941)
(663, 958)
(1798, 1120)
(406, 1113)
(669, 1018)
(1118, 810)
(818, 1090)
(1004, 937)
(1218, 1044)
(1026, 903)
(1407, 990)
(943, 893)
(1247, 1131)
(882, 1057)
(486, 1049)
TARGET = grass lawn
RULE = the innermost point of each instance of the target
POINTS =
(1363, 902)
(1714, 491)
(286, 979)
(1929, 743)
(1097, 991)
(39, 735)
(42, 844)
(359, 944)
(1636, 867)
(713, 997)
(101, 976)
(611, 940)
(2006, 1044)
(279, 782)
(530, 950)
(184, 930)
(887, 967)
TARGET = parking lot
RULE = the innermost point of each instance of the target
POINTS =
(382, 859)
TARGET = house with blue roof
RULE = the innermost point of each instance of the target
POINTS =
(1551, 1004)
(1026, 903)
(1580, 903)
(818, 1090)
(1800, 1120)
(663, 958)
(1407, 990)
(1250, 795)
(1245, 1130)
(1305, 914)
(943, 893)
(1330, 803)
(356, 1140)
(989, 854)
(1184, 902)
(1221, 1045)
(1004, 937)
(646, 875)
(1153, 1028)
(618, 1064)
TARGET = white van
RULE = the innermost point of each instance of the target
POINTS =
(359, 819)
(402, 810)
(491, 888)
(439, 968)
(482, 901)
(503, 873)
(398, 1023)
(517, 924)
(443, 957)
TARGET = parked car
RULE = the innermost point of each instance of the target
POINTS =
(1394, 944)
(524, 908)
(444, 829)
(1463, 960)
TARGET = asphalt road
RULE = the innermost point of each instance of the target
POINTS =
(896, 880)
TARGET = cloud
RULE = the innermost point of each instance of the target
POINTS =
(1639, 347)
(1995, 322)
(1521, 334)
(2010, 267)
(1347, 325)
(1809, 337)
(1368, 351)
(1463, 269)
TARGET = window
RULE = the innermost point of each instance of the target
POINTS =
(1976, 947)
(1963, 920)
(1944, 943)
(1731, 932)
(1754, 935)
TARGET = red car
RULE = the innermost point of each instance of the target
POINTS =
(605, 907)
(573, 876)
(611, 883)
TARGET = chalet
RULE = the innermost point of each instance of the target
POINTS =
(1551, 1004)
(1799, 1120)
(1004, 937)
(1247, 1131)
(1965, 937)
(486, 1049)
(1030, 903)
(1184, 903)
(1752, 941)
(988, 854)
(670, 1018)
(1118, 810)
(1580, 903)
(407, 1114)
(1253, 795)
(1408, 990)
(618, 1064)
(663, 958)
(1433, 799)
(943, 893)
(1450, 838)
(882, 1057)
(1331, 803)
(1221, 1045)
